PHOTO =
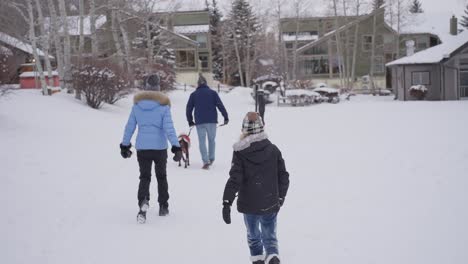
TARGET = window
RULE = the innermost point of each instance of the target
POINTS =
(289, 45)
(366, 43)
(421, 45)
(185, 59)
(317, 65)
(203, 57)
(420, 78)
(379, 65)
(317, 50)
(202, 40)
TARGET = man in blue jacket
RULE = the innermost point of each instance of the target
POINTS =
(205, 101)
(151, 112)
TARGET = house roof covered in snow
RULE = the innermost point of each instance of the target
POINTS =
(421, 23)
(73, 23)
(18, 44)
(192, 29)
(437, 53)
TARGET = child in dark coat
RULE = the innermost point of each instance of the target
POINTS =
(258, 175)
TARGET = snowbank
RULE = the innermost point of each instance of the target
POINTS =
(361, 190)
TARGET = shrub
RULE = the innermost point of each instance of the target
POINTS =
(101, 83)
(418, 91)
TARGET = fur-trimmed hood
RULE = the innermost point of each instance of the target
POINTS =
(158, 97)
(248, 140)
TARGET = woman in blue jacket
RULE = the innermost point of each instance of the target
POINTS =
(151, 112)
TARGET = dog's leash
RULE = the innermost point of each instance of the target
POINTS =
(190, 131)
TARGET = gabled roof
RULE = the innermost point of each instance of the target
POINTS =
(21, 45)
(437, 53)
(170, 32)
(341, 29)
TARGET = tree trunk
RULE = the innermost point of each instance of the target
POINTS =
(67, 46)
(45, 43)
(355, 50)
(115, 35)
(80, 44)
(32, 36)
(150, 42)
(57, 42)
(239, 60)
(248, 55)
(371, 71)
(296, 40)
(92, 18)
(127, 48)
(339, 54)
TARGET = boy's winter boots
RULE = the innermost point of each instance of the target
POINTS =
(141, 216)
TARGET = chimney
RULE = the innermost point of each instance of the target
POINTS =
(409, 47)
(453, 26)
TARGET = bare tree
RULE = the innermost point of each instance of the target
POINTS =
(57, 41)
(44, 40)
(67, 47)
(32, 37)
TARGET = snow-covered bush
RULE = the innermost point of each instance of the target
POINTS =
(5, 55)
(418, 91)
(101, 83)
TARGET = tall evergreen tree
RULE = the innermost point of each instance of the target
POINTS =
(378, 3)
(243, 29)
(216, 43)
(416, 7)
(464, 20)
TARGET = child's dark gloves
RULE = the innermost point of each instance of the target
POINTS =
(227, 212)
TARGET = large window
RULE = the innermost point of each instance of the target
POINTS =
(423, 78)
(379, 66)
(367, 43)
(185, 59)
(202, 39)
(317, 65)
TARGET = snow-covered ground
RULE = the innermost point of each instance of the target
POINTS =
(372, 181)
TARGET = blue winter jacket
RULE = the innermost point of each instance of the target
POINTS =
(152, 113)
(205, 101)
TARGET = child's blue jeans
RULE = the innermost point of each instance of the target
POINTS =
(261, 233)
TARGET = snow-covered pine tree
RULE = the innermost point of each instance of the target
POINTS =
(464, 19)
(243, 29)
(163, 60)
(378, 3)
(216, 43)
(416, 7)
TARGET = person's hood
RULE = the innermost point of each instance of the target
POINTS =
(148, 100)
(203, 86)
(256, 148)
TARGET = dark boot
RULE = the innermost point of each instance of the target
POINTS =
(163, 209)
(274, 260)
(258, 262)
